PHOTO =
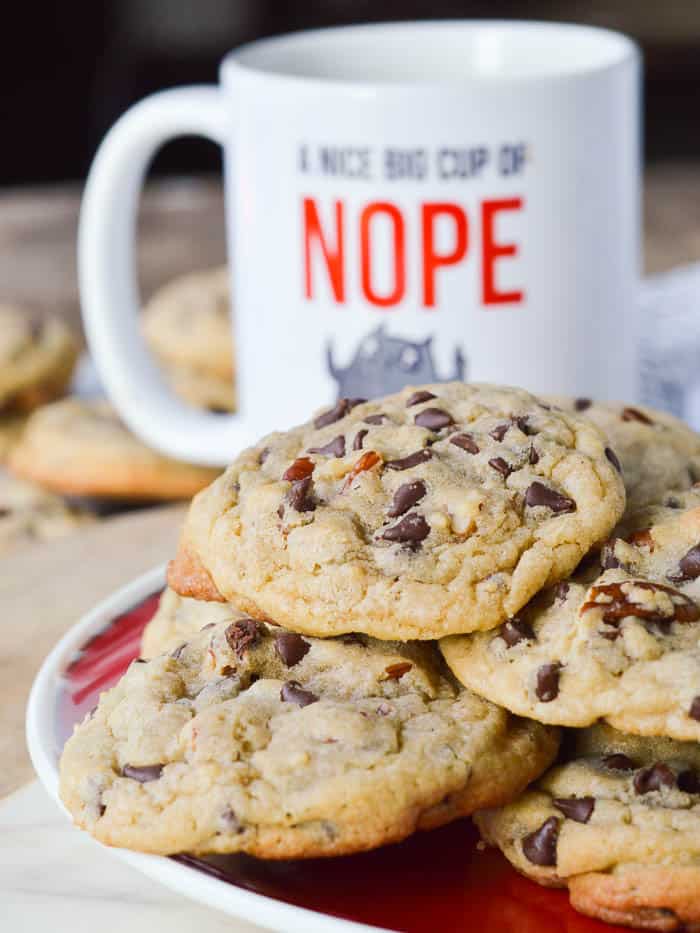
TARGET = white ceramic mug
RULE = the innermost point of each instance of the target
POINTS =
(405, 203)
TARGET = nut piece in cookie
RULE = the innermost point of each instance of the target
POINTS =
(250, 738)
(620, 826)
(441, 509)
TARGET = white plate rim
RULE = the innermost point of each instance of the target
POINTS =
(267, 912)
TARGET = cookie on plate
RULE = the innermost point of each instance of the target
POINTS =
(187, 324)
(620, 640)
(29, 514)
(250, 738)
(81, 448)
(658, 452)
(37, 356)
(619, 825)
(440, 509)
(177, 619)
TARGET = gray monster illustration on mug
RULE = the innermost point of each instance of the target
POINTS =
(383, 363)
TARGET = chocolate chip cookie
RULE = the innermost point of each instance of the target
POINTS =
(37, 356)
(440, 509)
(621, 830)
(177, 619)
(658, 452)
(80, 447)
(620, 640)
(187, 324)
(250, 738)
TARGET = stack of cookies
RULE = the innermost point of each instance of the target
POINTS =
(70, 459)
(377, 622)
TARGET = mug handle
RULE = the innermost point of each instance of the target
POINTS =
(107, 277)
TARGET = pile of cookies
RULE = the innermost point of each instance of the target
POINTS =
(379, 621)
(69, 459)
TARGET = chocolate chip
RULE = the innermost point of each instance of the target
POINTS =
(533, 457)
(688, 566)
(396, 671)
(339, 410)
(406, 497)
(581, 404)
(618, 762)
(434, 419)
(516, 630)
(547, 687)
(465, 442)
(608, 561)
(412, 530)
(242, 635)
(229, 822)
(540, 847)
(375, 419)
(291, 647)
(654, 778)
(335, 448)
(293, 692)
(539, 494)
(143, 773)
(499, 432)
(523, 424)
(689, 781)
(300, 469)
(422, 395)
(578, 809)
(500, 465)
(405, 463)
(613, 458)
(359, 437)
(36, 329)
(694, 711)
(634, 414)
(299, 496)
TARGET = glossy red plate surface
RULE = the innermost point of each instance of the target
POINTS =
(436, 881)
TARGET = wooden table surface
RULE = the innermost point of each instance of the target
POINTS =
(43, 591)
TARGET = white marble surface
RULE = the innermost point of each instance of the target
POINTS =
(53, 877)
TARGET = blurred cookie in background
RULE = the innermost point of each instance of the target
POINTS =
(37, 356)
(658, 452)
(29, 514)
(187, 325)
(11, 427)
(79, 447)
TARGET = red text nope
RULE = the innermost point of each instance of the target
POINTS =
(325, 249)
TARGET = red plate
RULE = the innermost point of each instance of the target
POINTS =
(433, 881)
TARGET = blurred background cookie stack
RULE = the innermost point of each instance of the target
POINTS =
(67, 458)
